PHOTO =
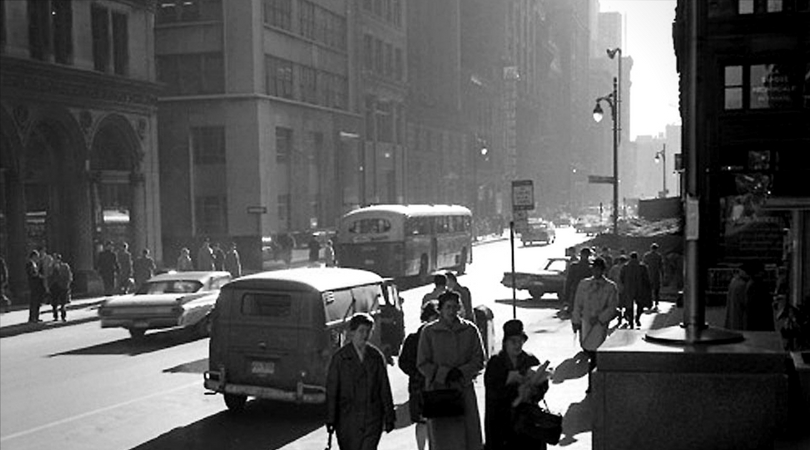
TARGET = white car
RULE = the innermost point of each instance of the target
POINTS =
(174, 299)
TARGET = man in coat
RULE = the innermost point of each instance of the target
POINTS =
(232, 262)
(655, 266)
(108, 267)
(466, 297)
(594, 307)
(125, 272)
(205, 256)
(575, 273)
(635, 280)
(359, 403)
(143, 268)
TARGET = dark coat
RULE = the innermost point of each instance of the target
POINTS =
(358, 397)
(108, 265)
(758, 306)
(576, 272)
(499, 397)
(416, 381)
(635, 281)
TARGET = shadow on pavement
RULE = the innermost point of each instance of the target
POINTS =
(150, 342)
(572, 368)
(198, 366)
(262, 425)
(531, 303)
(578, 419)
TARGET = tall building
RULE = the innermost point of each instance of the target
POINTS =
(78, 141)
(749, 135)
(260, 125)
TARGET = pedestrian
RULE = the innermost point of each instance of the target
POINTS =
(219, 257)
(416, 381)
(450, 356)
(735, 298)
(108, 267)
(314, 249)
(607, 257)
(614, 275)
(594, 307)
(575, 273)
(329, 253)
(232, 262)
(635, 280)
(125, 282)
(205, 256)
(5, 304)
(439, 287)
(466, 297)
(758, 300)
(46, 269)
(184, 260)
(359, 403)
(655, 266)
(287, 244)
(143, 268)
(505, 373)
(61, 282)
(36, 286)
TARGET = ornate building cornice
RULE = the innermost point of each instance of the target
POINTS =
(23, 78)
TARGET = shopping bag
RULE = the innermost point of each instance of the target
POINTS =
(538, 424)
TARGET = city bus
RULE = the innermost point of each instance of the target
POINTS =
(405, 240)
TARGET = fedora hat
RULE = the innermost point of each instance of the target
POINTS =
(514, 327)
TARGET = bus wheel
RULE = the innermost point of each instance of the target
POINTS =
(235, 403)
(462, 267)
(137, 333)
(423, 269)
(536, 293)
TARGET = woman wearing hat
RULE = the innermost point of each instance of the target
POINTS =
(505, 374)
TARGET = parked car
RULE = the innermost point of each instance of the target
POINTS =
(538, 232)
(172, 299)
(550, 279)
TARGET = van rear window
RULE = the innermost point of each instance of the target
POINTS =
(267, 305)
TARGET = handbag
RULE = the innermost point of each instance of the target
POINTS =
(442, 403)
(538, 424)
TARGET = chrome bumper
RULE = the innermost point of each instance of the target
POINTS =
(304, 393)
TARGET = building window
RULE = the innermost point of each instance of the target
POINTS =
(397, 6)
(385, 122)
(389, 60)
(746, 7)
(208, 145)
(120, 44)
(733, 87)
(169, 11)
(378, 8)
(378, 57)
(39, 29)
(63, 31)
(309, 92)
(306, 16)
(279, 74)
(370, 100)
(367, 5)
(398, 66)
(763, 6)
(50, 30)
(192, 74)
(100, 25)
(284, 142)
(212, 217)
(368, 52)
(284, 209)
(278, 13)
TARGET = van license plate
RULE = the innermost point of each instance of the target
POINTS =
(262, 367)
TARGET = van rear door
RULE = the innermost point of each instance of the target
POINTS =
(264, 338)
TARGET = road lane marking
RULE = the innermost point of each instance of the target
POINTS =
(90, 413)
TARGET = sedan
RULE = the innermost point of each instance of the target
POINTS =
(174, 299)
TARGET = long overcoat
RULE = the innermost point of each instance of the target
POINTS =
(635, 281)
(442, 347)
(594, 307)
(358, 397)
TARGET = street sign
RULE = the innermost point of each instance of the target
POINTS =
(521, 219)
(257, 210)
(522, 195)
(600, 179)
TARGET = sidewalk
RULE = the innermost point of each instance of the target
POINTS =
(82, 310)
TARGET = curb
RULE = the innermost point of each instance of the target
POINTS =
(24, 328)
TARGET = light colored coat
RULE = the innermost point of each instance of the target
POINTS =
(442, 347)
(594, 307)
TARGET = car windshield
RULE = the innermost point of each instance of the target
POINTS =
(557, 265)
(169, 287)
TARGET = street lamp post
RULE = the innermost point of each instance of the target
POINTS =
(612, 101)
(612, 53)
(662, 157)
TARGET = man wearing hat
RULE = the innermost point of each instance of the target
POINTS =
(595, 306)
(506, 372)
(575, 273)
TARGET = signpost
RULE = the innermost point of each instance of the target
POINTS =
(522, 203)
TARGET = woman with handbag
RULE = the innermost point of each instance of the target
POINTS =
(450, 356)
(359, 402)
(506, 373)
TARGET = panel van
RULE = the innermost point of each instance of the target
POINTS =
(273, 333)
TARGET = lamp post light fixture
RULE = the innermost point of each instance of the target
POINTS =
(612, 101)
(661, 157)
(612, 53)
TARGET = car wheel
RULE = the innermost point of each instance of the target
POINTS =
(537, 293)
(137, 333)
(235, 403)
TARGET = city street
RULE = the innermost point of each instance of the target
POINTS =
(83, 387)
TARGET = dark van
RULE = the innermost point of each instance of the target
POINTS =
(273, 333)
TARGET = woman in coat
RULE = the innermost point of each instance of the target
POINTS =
(450, 356)
(505, 373)
(358, 394)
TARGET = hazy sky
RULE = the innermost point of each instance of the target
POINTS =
(648, 39)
